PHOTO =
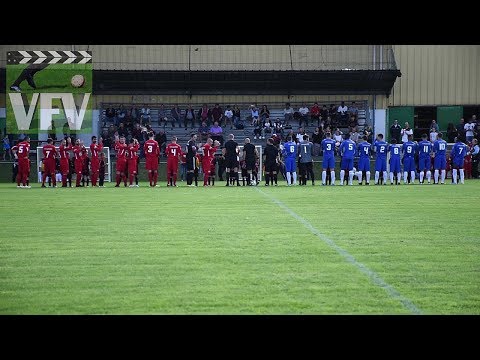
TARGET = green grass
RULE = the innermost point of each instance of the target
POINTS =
(234, 251)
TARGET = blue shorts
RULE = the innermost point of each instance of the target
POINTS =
(440, 163)
(380, 164)
(329, 162)
(458, 163)
(290, 165)
(347, 164)
(364, 164)
(408, 164)
(424, 164)
(395, 165)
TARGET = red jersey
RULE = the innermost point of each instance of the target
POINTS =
(132, 152)
(78, 152)
(95, 149)
(173, 151)
(209, 151)
(49, 151)
(315, 110)
(151, 148)
(63, 150)
(120, 149)
(23, 150)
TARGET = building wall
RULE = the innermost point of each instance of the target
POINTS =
(436, 75)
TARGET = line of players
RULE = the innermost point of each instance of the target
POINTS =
(424, 149)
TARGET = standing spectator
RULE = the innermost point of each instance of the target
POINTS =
(52, 133)
(110, 115)
(189, 116)
(317, 138)
(145, 115)
(338, 137)
(332, 112)
(475, 158)
(343, 112)
(205, 114)
(162, 116)
(288, 113)
(452, 133)
(405, 132)
(395, 131)
(303, 110)
(6, 147)
(175, 113)
(122, 131)
(237, 118)
(217, 114)
(354, 135)
(433, 134)
(461, 130)
(298, 138)
(229, 117)
(315, 114)
(469, 127)
(435, 126)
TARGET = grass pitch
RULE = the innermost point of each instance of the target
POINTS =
(237, 251)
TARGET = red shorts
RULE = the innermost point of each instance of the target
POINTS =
(78, 166)
(121, 165)
(24, 166)
(172, 166)
(151, 163)
(207, 166)
(132, 166)
(64, 166)
(49, 166)
(95, 164)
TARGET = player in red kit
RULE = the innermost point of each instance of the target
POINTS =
(152, 151)
(49, 155)
(95, 150)
(208, 155)
(174, 154)
(133, 161)
(78, 150)
(121, 167)
(23, 163)
(64, 148)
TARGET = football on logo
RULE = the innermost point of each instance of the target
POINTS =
(78, 81)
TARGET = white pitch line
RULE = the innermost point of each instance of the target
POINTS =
(372, 275)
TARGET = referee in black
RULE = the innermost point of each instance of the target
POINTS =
(271, 162)
(191, 158)
(230, 151)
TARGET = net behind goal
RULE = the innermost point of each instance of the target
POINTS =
(106, 151)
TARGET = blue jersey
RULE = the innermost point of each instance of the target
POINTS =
(347, 149)
(364, 149)
(409, 149)
(424, 149)
(459, 151)
(290, 150)
(381, 148)
(328, 147)
(394, 151)
(440, 148)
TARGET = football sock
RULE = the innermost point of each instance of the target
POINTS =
(332, 175)
(429, 175)
(377, 175)
(444, 173)
(385, 177)
(435, 176)
(462, 176)
(454, 176)
(294, 178)
(368, 177)
(288, 178)
(421, 176)
(412, 176)
(342, 176)
(324, 177)
(391, 178)
(350, 177)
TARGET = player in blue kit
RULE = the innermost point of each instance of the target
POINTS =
(347, 151)
(328, 147)
(364, 149)
(395, 168)
(408, 149)
(381, 148)
(290, 154)
(459, 151)
(440, 161)
(424, 163)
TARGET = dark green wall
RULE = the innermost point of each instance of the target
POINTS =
(402, 114)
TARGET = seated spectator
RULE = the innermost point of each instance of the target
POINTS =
(175, 113)
(216, 132)
(137, 132)
(228, 116)
(121, 113)
(353, 110)
(237, 122)
(267, 129)
(288, 113)
(315, 114)
(354, 134)
(353, 121)
(135, 114)
(332, 112)
(162, 116)
(264, 114)
(189, 116)
(217, 114)
(323, 115)
(122, 131)
(110, 114)
(258, 131)
(161, 138)
(303, 116)
(205, 114)
(254, 114)
(145, 115)
(203, 132)
(342, 111)
(338, 137)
